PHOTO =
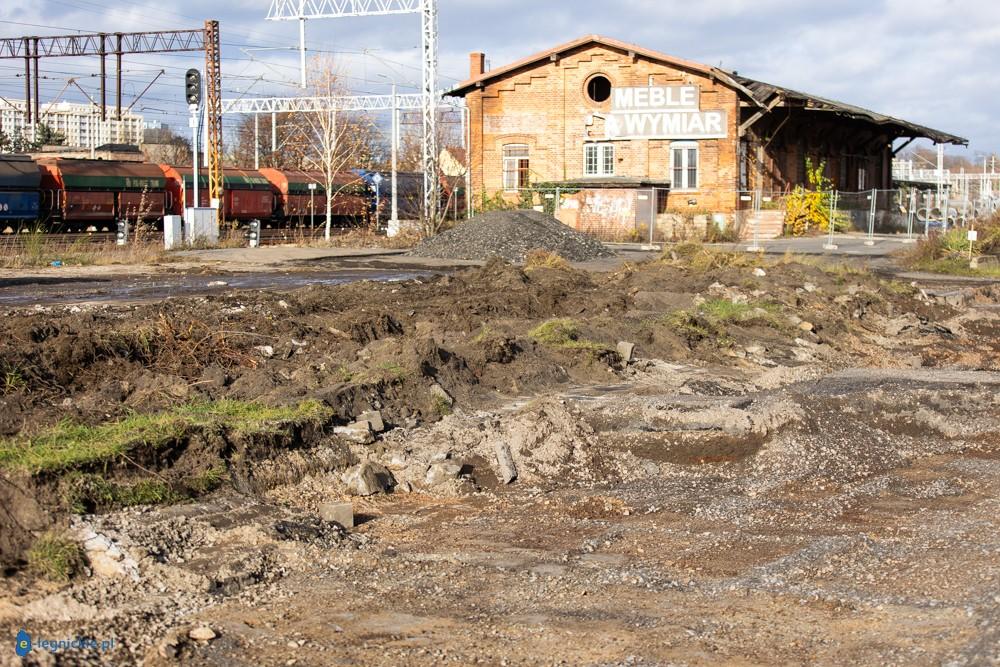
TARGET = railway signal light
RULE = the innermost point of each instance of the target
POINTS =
(253, 234)
(192, 87)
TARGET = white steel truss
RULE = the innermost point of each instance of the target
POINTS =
(429, 33)
(259, 105)
(301, 10)
(293, 10)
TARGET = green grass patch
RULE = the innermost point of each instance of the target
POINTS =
(12, 380)
(387, 371)
(55, 557)
(564, 334)
(69, 445)
(709, 320)
(84, 493)
(955, 266)
(441, 406)
(724, 311)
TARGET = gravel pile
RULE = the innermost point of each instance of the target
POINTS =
(510, 235)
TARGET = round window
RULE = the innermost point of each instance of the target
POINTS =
(599, 89)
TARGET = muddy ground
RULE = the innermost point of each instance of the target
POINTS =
(799, 465)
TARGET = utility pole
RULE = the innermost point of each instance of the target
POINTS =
(213, 99)
(256, 141)
(394, 222)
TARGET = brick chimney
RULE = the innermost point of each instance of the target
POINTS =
(477, 65)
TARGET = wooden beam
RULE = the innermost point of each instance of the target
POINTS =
(904, 145)
(775, 101)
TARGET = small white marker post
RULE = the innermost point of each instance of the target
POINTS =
(830, 245)
(871, 219)
(909, 218)
(973, 237)
(756, 223)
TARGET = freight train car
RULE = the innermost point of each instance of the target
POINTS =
(78, 194)
(409, 200)
(296, 203)
(19, 190)
(246, 194)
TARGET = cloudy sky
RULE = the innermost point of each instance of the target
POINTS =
(929, 61)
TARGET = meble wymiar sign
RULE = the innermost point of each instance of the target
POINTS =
(662, 112)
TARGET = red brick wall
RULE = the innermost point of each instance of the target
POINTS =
(546, 107)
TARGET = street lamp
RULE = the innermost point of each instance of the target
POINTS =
(394, 219)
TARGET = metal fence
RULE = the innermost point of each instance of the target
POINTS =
(657, 215)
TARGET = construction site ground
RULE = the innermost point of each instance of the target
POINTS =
(798, 462)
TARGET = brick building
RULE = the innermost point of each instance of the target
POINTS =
(629, 136)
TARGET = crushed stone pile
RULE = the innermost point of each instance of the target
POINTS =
(511, 235)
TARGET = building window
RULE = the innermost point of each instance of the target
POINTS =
(599, 89)
(862, 172)
(684, 164)
(599, 160)
(515, 167)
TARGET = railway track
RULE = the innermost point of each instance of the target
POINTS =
(83, 240)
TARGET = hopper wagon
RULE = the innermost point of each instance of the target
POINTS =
(77, 194)
(20, 183)
(296, 202)
(246, 194)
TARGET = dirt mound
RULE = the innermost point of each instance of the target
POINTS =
(511, 235)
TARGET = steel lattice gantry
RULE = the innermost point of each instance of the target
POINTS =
(293, 10)
(213, 102)
(32, 49)
(259, 105)
(301, 10)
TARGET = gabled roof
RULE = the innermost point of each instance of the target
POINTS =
(756, 92)
(466, 86)
(765, 91)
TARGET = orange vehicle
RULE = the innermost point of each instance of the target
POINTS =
(246, 194)
(76, 191)
(296, 202)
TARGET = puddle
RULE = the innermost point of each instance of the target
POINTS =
(44, 291)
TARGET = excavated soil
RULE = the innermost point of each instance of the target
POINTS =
(812, 478)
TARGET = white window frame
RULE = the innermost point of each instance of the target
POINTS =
(511, 167)
(685, 147)
(604, 160)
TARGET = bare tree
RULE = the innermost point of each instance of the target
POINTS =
(411, 159)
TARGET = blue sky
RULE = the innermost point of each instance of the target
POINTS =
(929, 61)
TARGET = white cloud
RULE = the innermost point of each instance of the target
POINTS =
(925, 60)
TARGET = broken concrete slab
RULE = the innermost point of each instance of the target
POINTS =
(626, 351)
(368, 479)
(374, 419)
(342, 513)
(442, 472)
(359, 432)
(508, 471)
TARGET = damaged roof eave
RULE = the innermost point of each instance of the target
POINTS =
(799, 100)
